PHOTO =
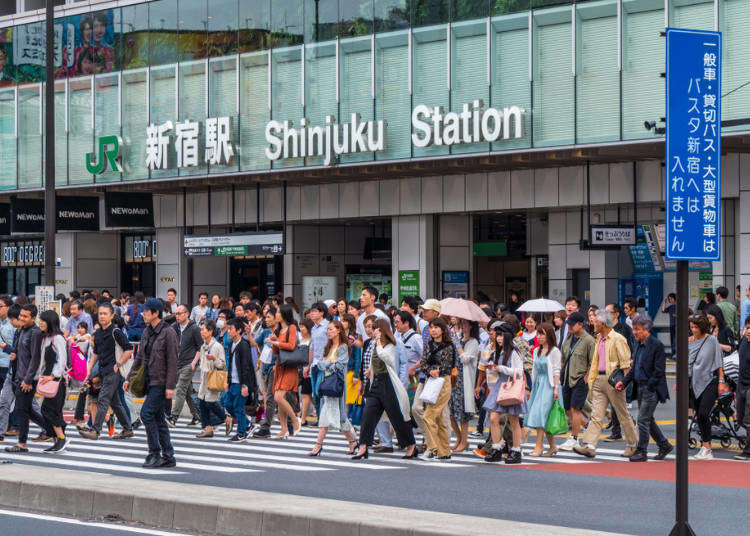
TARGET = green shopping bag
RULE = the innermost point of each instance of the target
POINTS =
(557, 423)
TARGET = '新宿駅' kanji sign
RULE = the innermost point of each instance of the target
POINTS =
(693, 160)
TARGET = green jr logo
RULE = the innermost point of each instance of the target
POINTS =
(109, 151)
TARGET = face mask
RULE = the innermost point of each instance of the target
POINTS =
(220, 323)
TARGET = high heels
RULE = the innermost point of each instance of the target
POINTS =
(316, 452)
(282, 437)
(364, 455)
(353, 449)
(414, 454)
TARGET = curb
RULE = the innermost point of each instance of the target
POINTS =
(236, 512)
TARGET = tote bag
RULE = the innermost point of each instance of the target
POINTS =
(431, 390)
(294, 358)
(513, 391)
(557, 423)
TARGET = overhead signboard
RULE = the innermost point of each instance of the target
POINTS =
(4, 219)
(128, 210)
(693, 159)
(27, 215)
(76, 213)
(612, 235)
(234, 245)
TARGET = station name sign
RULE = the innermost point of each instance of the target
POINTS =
(430, 126)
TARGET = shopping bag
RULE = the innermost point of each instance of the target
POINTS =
(431, 390)
(352, 389)
(557, 423)
(512, 391)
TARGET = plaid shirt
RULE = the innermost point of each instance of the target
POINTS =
(367, 355)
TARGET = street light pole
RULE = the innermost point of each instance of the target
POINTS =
(49, 149)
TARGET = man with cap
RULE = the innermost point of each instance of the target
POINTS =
(158, 348)
(331, 306)
(577, 351)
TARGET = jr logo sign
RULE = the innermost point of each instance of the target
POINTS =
(109, 151)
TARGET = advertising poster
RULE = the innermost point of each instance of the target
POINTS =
(455, 285)
(317, 288)
(408, 284)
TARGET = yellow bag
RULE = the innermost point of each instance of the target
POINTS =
(216, 380)
(352, 389)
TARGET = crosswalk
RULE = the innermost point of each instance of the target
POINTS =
(219, 456)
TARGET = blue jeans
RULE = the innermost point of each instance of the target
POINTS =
(316, 376)
(152, 416)
(235, 405)
(212, 414)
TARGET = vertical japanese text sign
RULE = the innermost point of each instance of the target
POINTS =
(693, 160)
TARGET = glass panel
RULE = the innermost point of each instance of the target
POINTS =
(286, 23)
(321, 20)
(255, 24)
(553, 78)
(510, 72)
(192, 103)
(469, 9)
(222, 27)
(7, 139)
(426, 12)
(61, 137)
(29, 137)
(131, 43)
(468, 71)
(222, 102)
(192, 22)
(81, 135)
(391, 15)
(106, 117)
(392, 99)
(430, 86)
(735, 27)
(163, 109)
(356, 17)
(693, 14)
(254, 110)
(643, 59)
(356, 86)
(163, 36)
(500, 7)
(134, 123)
(320, 87)
(598, 79)
(286, 92)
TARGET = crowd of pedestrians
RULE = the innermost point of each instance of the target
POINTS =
(362, 368)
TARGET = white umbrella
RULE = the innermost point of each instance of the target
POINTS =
(465, 309)
(541, 305)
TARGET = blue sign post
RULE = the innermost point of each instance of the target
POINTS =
(693, 194)
(693, 162)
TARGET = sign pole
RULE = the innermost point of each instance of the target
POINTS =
(49, 149)
(682, 527)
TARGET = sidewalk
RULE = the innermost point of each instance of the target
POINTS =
(233, 512)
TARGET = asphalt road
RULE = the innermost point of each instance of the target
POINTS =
(608, 493)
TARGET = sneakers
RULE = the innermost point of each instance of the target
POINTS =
(613, 437)
(59, 446)
(194, 422)
(237, 438)
(476, 434)
(663, 452)
(137, 423)
(703, 454)
(628, 452)
(495, 456)
(743, 457)
(262, 433)
(427, 455)
(569, 444)
(481, 453)
(585, 450)
(514, 457)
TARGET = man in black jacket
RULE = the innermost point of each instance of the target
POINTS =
(648, 372)
(241, 378)
(189, 336)
(743, 390)
(28, 357)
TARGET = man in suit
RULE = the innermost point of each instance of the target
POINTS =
(648, 372)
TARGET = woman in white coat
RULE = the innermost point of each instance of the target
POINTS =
(386, 393)
(545, 377)
(462, 406)
(210, 357)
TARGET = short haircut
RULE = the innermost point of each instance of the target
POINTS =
(173, 291)
(631, 302)
(203, 294)
(372, 291)
(31, 308)
(246, 294)
(83, 325)
(672, 295)
(603, 316)
(573, 298)
(210, 325)
(6, 301)
(237, 324)
(15, 310)
(77, 303)
(643, 321)
(411, 302)
(107, 305)
(615, 307)
(723, 292)
(407, 318)
(252, 306)
(319, 306)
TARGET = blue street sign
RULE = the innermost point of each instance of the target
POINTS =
(693, 160)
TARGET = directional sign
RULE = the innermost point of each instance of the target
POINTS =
(693, 159)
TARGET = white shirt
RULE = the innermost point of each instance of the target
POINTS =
(198, 313)
(361, 322)
(235, 374)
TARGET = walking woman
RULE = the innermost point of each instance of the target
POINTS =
(507, 364)
(211, 357)
(437, 362)
(545, 377)
(285, 377)
(462, 406)
(305, 384)
(387, 393)
(720, 330)
(333, 408)
(354, 405)
(54, 356)
(706, 378)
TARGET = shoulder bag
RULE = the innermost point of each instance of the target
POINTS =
(216, 380)
(299, 355)
(49, 389)
(512, 391)
(138, 379)
(332, 385)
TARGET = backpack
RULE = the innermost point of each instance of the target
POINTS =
(78, 364)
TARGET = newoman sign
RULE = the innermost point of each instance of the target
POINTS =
(430, 126)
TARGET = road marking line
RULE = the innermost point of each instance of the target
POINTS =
(77, 465)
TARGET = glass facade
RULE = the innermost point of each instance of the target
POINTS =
(585, 72)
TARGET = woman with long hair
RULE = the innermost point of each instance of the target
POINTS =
(305, 384)
(545, 378)
(214, 307)
(386, 393)
(295, 308)
(462, 406)
(340, 308)
(437, 362)
(333, 408)
(507, 364)
(354, 405)
(52, 369)
(285, 377)
(720, 330)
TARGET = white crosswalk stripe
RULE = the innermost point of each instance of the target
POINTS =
(257, 455)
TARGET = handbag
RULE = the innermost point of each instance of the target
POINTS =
(431, 390)
(332, 385)
(294, 358)
(454, 376)
(557, 423)
(216, 380)
(137, 384)
(513, 391)
(616, 377)
(49, 389)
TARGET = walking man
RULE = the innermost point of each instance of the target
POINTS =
(577, 350)
(159, 350)
(190, 341)
(106, 340)
(7, 394)
(743, 390)
(241, 378)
